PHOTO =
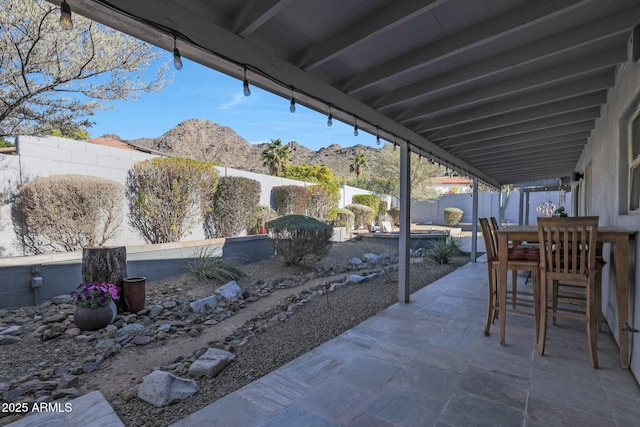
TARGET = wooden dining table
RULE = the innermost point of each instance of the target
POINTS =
(618, 237)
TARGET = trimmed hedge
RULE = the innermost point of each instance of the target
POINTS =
(322, 203)
(297, 237)
(370, 200)
(167, 196)
(395, 215)
(66, 213)
(232, 208)
(453, 216)
(344, 218)
(290, 199)
(262, 215)
(363, 215)
(382, 211)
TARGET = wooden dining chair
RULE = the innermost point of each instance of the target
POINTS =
(519, 258)
(568, 256)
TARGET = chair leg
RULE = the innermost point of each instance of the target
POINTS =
(536, 300)
(555, 300)
(491, 302)
(592, 322)
(542, 332)
(514, 288)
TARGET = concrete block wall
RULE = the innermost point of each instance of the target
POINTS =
(62, 272)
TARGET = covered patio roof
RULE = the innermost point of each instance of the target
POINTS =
(504, 90)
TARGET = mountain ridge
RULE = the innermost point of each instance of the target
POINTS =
(204, 140)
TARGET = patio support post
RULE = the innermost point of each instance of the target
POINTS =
(521, 200)
(405, 225)
(474, 221)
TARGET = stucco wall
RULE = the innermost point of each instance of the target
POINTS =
(606, 155)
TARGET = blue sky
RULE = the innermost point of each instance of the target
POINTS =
(203, 93)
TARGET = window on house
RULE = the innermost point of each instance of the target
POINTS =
(634, 164)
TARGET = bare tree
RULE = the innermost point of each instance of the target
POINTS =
(56, 79)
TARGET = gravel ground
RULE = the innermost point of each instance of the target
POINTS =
(313, 324)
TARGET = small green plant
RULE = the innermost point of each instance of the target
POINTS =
(443, 250)
(209, 265)
(297, 237)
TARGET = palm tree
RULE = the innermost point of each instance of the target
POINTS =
(276, 156)
(358, 164)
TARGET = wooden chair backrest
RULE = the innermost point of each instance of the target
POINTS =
(568, 246)
(489, 240)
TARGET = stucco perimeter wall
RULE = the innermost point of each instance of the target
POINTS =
(606, 154)
(60, 273)
(488, 206)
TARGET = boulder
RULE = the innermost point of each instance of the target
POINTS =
(161, 388)
(230, 290)
(211, 362)
(205, 305)
(355, 261)
(369, 257)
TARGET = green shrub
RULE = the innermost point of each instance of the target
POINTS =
(395, 215)
(66, 213)
(260, 218)
(167, 196)
(443, 249)
(290, 199)
(322, 203)
(452, 216)
(296, 238)
(344, 218)
(232, 208)
(208, 265)
(368, 200)
(363, 215)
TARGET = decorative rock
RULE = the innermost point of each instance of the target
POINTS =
(155, 311)
(127, 395)
(165, 327)
(36, 385)
(141, 340)
(107, 347)
(53, 332)
(132, 328)
(355, 261)
(356, 278)
(211, 363)
(230, 290)
(161, 388)
(68, 381)
(8, 339)
(369, 257)
(11, 330)
(13, 394)
(65, 393)
(193, 332)
(54, 318)
(73, 332)
(85, 338)
(205, 305)
(61, 299)
(87, 368)
(169, 304)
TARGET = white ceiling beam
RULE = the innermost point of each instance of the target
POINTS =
(588, 114)
(607, 56)
(499, 91)
(523, 139)
(505, 25)
(384, 19)
(520, 116)
(533, 155)
(254, 14)
(535, 99)
(542, 145)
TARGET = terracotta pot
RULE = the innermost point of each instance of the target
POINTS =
(92, 319)
(134, 291)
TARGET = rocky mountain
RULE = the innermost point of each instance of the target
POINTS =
(204, 140)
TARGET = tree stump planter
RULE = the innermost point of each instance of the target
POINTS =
(105, 264)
